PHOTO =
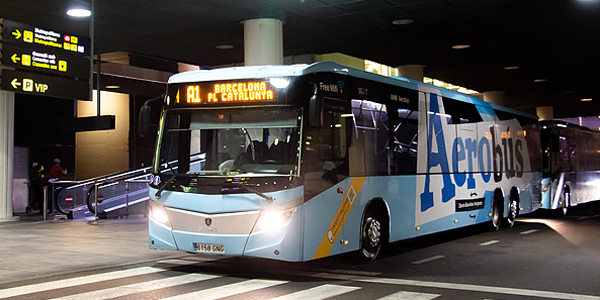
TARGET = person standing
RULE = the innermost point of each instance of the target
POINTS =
(56, 171)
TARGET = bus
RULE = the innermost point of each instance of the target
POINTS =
(571, 165)
(301, 162)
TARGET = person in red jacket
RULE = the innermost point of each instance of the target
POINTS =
(56, 171)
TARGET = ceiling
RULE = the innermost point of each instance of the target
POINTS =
(555, 40)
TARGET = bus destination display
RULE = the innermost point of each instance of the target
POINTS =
(233, 92)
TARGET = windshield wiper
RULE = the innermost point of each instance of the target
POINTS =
(268, 198)
(164, 185)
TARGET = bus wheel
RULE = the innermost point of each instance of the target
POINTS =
(370, 236)
(513, 210)
(565, 207)
(496, 214)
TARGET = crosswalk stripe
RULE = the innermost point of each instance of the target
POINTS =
(228, 290)
(409, 296)
(319, 292)
(138, 287)
(46, 286)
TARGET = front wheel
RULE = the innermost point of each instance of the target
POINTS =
(370, 237)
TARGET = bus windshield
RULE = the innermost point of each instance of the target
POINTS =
(231, 142)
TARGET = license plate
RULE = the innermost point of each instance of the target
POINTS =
(209, 248)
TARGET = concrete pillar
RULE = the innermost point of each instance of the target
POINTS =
(263, 42)
(495, 97)
(414, 72)
(7, 134)
(545, 112)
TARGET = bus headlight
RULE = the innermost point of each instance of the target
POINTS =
(275, 219)
(159, 213)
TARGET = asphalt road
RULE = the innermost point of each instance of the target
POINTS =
(542, 257)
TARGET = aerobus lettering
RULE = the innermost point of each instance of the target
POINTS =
(503, 158)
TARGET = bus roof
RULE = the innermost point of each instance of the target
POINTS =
(251, 72)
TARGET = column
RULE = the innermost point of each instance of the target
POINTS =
(545, 113)
(263, 42)
(495, 97)
(7, 117)
(414, 72)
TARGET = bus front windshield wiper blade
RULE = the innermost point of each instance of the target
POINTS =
(268, 198)
(164, 185)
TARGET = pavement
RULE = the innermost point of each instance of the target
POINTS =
(33, 248)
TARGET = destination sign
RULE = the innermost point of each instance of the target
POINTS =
(229, 92)
(27, 83)
(45, 60)
(31, 35)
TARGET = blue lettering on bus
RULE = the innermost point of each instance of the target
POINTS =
(503, 159)
(440, 158)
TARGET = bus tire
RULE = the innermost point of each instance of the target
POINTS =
(567, 202)
(496, 210)
(513, 209)
(371, 235)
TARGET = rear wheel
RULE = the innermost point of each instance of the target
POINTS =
(513, 210)
(371, 236)
(567, 203)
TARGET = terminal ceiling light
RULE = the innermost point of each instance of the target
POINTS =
(586, 99)
(112, 87)
(402, 22)
(539, 80)
(79, 13)
(224, 47)
(460, 47)
(511, 68)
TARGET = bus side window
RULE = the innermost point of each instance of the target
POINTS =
(403, 143)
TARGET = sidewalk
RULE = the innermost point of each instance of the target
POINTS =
(33, 249)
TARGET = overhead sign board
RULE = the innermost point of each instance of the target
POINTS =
(28, 83)
(50, 61)
(24, 34)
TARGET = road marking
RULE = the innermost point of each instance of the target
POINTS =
(320, 292)
(359, 273)
(462, 287)
(410, 296)
(489, 243)
(426, 260)
(529, 231)
(184, 262)
(47, 286)
(135, 288)
(229, 290)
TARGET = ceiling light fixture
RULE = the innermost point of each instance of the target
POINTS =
(460, 47)
(112, 87)
(403, 22)
(224, 47)
(511, 68)
(539, 80)
(79, 13)
(586, 100)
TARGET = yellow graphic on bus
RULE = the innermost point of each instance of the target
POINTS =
(340, 218)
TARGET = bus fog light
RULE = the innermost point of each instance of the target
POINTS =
(159, 214)
(275, 219)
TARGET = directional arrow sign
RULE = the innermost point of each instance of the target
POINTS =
(29, 83)
(15, 83)
(42, 59)
(17, 34)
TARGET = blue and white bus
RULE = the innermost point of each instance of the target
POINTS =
(301, 162)
(571, 165)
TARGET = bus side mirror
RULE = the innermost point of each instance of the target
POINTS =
(144, 117)
(144, 120)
